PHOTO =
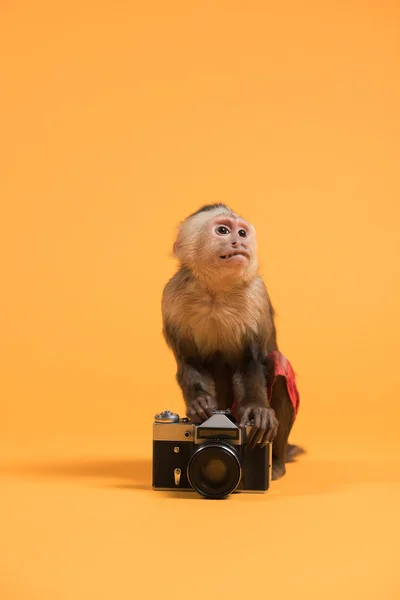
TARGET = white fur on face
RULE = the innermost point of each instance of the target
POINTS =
(189, 244)
(191, 229)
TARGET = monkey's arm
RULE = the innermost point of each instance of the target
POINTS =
(196, 382)
(198, 389)
(250, 387)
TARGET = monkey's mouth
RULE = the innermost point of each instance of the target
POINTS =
(233, 254)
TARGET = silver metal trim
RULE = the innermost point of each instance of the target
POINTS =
(177, 476)
(172, 432)
(166, 416)
(175, 432)
(219, 421)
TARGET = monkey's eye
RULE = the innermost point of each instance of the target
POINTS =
(242, 233)
(222, 230)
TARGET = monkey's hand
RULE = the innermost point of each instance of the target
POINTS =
(264, 424)
(200, 409)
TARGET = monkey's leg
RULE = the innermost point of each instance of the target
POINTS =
(284, 412)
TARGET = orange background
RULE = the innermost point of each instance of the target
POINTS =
(117, 120)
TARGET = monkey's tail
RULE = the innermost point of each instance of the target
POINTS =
(293, 451)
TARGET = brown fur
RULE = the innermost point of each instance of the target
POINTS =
(220, 321)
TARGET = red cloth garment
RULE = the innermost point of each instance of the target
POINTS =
(281, 366)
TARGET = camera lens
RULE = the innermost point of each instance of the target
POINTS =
(214, 470)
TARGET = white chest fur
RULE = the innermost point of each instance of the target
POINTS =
(222, 323)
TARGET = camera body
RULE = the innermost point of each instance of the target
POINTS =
(212, 459)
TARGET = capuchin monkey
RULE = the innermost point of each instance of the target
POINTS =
(219, 323)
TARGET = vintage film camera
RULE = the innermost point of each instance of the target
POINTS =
(212, 459)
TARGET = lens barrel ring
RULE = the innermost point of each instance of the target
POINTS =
(217, 450)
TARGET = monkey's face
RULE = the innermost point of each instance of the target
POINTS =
(218, 245)
(231, 242)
